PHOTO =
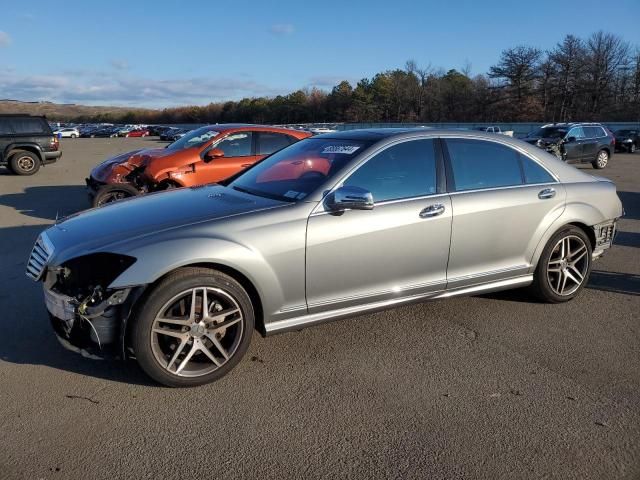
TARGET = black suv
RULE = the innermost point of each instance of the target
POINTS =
(627, 140)
(576, 142)
(26, 143)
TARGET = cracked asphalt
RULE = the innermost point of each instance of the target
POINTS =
(495, 386)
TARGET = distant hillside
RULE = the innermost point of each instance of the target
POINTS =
(66, 112)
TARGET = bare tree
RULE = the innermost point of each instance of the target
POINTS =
(569, 59)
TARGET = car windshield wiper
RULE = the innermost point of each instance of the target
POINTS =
(258, 193)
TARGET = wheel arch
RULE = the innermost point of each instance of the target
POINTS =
(14, 148)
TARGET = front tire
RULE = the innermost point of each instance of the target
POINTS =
(114, 192)
(193, 328)
(601, 160)
(24, 163)
(564, 266)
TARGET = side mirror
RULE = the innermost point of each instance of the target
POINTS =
(213, 154)
(354, 198)
(571, 139)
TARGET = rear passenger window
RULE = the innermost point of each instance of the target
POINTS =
(272, 142)
(534, 173)
(405, 170)
(478, 164)
(28, 125)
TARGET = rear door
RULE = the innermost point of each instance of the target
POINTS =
(590, 143)
(502, 203)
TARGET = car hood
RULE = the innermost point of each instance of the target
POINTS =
(542, 140)
(142, 158)
(105, 227)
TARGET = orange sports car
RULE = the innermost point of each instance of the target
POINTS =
(205, 155)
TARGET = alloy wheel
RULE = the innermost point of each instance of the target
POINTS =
(603, 159)
(568, 265)
(113, 197)
(197, 331)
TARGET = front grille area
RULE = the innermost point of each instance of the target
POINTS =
(39, 257)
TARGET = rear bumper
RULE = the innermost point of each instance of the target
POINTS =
(50, 157)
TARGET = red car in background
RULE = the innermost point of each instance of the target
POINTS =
(205, 155)
(141, 132)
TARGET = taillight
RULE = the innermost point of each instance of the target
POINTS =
(55, 143)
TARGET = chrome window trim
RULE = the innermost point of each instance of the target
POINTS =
(502, 188)
(518, 148)
(345, 176)
(319, 209)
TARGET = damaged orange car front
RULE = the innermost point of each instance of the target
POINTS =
(205, 155)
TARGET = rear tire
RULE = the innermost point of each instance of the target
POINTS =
(73, 135)
(179, 345)
(564, 266)
(601, 160)
(114, 192)
(24, 163)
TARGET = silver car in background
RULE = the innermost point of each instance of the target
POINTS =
(330, 227)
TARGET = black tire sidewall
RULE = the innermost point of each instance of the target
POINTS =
(15, 168)
(541, 285)
(130, 190)
(180, 281)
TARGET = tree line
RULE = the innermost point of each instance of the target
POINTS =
(585, 79)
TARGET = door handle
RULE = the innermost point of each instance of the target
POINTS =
(245, 165)
(432, 211)
(547, 193)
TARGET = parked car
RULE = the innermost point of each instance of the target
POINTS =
(208, 154)
(627, 140)
(329, 227)
(68, 132)
(177, 134)
(123, 131)
(26, 143)
(140, 132)
(167, 134)
(576, 142)
(495, 129)
(105, 132)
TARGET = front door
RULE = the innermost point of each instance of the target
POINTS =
(574, 145)
(398, 249)
(239, 153)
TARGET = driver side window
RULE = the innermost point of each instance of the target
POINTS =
(404, 170)
(236, 145)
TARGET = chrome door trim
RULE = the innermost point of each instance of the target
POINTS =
(323, 211)
(395, 290)
(486, 274)
(303, 321)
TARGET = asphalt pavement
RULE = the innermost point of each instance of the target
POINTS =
(495, 386)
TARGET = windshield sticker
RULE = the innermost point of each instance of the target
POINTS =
(346, 149)
(292, 194)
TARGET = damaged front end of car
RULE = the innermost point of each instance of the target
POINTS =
(87, 316)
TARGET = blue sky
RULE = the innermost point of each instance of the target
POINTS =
(167, 53)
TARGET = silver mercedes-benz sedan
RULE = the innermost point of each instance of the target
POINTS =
(330, 227)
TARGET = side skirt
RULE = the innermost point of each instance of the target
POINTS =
(298, 323)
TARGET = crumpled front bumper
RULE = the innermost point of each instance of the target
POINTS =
(95, 334)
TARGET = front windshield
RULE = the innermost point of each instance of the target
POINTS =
(298, 170)
(550, 132)
(194, 138)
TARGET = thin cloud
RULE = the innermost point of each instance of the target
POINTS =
(282, 29)
(5, 39)
(100, 89)
(119, 64)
